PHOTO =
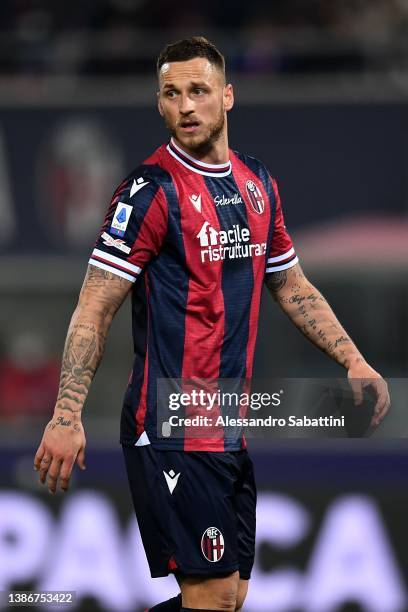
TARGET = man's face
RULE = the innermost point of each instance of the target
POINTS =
(193, 100)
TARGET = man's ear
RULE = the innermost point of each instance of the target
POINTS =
(228, 97)
(159, 105)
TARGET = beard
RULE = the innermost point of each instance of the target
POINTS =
(201, 144)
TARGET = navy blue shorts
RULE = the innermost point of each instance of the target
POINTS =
(195, 510)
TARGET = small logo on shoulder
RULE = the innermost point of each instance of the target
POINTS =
(121, 219)
(137, 185)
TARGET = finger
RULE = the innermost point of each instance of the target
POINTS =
(65, 474)
(388, 402)
(38, 456)
(357, 388)
(383, 402)
(380, 389)
(44, 467)
(377, 417)
(53, 474)
(80, 460)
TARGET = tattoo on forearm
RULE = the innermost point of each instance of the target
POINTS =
(319, 327)
(310, 312)
(83, 351)
(103, 292)
(66, 407)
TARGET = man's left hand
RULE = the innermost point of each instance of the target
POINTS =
(362, 376)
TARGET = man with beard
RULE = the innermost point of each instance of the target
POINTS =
(193, 231)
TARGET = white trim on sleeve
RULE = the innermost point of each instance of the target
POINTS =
(116, 260)
(281, 257)
(103, 266)
(285, 266)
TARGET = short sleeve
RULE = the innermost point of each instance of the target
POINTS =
(133, 230)
(282, 253)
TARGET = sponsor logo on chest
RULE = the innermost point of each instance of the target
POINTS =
(223, 200)
(233, 243)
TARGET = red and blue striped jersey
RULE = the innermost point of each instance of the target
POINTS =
(197, 240)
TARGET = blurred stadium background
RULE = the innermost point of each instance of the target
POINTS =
(322, 99)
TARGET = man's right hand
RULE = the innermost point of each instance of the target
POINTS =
(63, 444)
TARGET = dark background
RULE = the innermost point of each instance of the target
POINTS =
(322, 98)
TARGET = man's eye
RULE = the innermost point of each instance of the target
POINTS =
(170, 93)
(198, 90)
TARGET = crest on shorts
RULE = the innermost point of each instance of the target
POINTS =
(255, 197)
(212, 544)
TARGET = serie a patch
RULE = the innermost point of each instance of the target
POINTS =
(121, 219)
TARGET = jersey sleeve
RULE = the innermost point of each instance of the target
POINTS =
(133, 229)
(282, 253)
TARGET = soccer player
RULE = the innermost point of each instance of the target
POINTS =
(192, 233)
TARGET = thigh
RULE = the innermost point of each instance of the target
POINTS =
(201, 593)
(242, 593)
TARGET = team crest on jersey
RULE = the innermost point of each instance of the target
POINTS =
(121, 219)
(255, 197)
(212, 544)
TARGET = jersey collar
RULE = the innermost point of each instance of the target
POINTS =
(200, 167)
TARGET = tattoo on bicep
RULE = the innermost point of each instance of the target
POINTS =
(276, 281)
(291, 280)
(96, 277)
(108, 290)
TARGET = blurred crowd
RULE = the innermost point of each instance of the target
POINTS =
(103, 37)
(29, 376)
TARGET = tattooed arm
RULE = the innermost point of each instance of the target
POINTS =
(63, 442)
(312, 315)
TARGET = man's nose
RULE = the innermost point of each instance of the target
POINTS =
(186, 104)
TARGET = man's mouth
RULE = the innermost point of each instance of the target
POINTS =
(188, 125)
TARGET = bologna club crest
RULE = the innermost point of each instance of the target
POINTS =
(255, 197)
(212, 544)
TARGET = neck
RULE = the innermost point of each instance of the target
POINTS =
(213, 153)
